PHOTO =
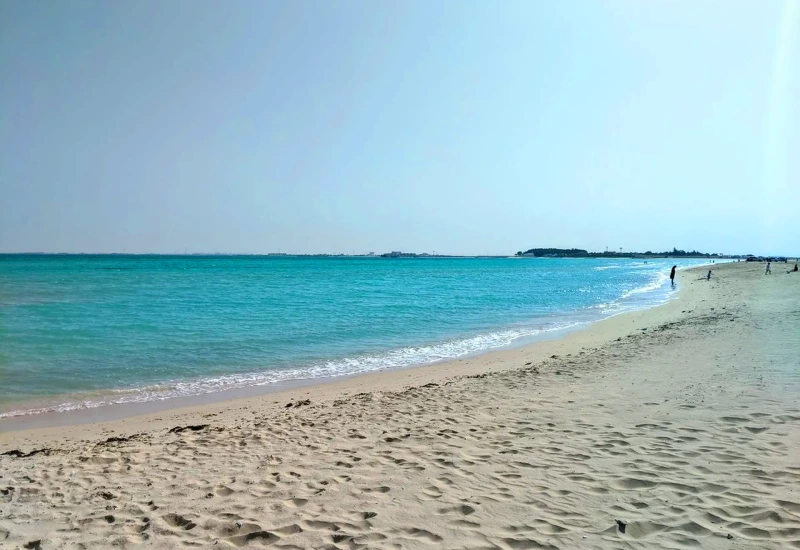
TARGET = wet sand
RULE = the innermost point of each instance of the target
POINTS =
(676, 427)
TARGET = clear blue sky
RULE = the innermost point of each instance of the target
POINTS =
(455, 126)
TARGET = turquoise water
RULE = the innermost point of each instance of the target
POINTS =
(82, 331)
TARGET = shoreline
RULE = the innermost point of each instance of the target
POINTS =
(30, 414)
(122, 411)
(52, 418)
(544, 345)
(672, 427)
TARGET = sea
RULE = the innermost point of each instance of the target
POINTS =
(84, 331)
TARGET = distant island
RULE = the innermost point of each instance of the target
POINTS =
(569, 253)
(398, 254)
(580, 253)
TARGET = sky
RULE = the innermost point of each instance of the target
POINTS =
(461, 127)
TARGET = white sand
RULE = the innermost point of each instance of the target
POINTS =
(688, 432)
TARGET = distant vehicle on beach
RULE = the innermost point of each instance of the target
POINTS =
(773, 259)
(751, 258)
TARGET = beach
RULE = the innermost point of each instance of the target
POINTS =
(82, 332)
(672, 427)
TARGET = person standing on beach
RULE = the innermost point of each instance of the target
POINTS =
(672, 275)
(768, 271)
(708, 277)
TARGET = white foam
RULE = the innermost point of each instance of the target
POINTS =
(393, 359)
(658, 281)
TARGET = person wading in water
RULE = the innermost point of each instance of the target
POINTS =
(672, 275)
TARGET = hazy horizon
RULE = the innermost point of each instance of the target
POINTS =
(371, 253)
(465, 129)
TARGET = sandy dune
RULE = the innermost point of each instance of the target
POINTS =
(673, 428)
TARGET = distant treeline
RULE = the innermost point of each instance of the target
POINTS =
(580, 253)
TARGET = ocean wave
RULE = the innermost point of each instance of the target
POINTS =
(640, 297)
(658, 281)
(393, 359)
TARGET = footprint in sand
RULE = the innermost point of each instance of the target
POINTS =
(464, 510)
(6, 494)
(292, 529)
(179, 522)
(431, 492)
(361, 516)
(295, 502)
(369, 538)
(422, 534)
(381, 489)
(526, 544)
(464, 524)
(261, 537)
(319, 525)
(633, 484)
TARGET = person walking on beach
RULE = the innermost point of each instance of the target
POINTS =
(768, 271)
(708, 277)
(672, 275)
